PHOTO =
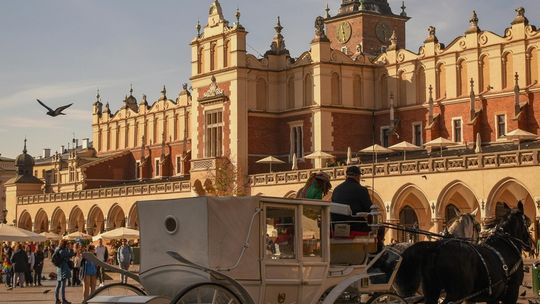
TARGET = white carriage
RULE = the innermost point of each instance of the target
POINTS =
(254, 250)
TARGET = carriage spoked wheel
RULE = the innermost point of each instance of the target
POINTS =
(118, 289)
(386, 298)
(207, 293)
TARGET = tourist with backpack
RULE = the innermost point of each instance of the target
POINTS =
(60, 258)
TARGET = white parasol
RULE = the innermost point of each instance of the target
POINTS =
(376, 149)
(349, 156)
(478, 148)
(440, 142)
(77, 235)
(270, 160)
(15, 234)
(405, 146)
(51, 235)
(520, 135)
(294, 162)
(319, 155)
(118, 233)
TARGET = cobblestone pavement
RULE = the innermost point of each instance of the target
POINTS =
(45, 294)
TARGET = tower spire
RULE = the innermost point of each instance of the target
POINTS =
(277, 47)
(24, 149)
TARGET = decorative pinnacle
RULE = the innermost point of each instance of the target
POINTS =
(327, 11)
(198, 28)
(24, 149)
(130, 89)
(278, 26)
(403, 7)
(97, 95)
(237, 15)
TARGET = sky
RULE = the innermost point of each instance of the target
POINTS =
(62, 51)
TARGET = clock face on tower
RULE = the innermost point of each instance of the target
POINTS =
(383, 32)
(344, 31)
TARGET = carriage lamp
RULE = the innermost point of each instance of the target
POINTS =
(375, 216)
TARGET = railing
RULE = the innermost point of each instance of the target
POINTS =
(109, 192)
(410, 167)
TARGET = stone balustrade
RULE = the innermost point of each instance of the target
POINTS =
(109, 192)
(410, 167)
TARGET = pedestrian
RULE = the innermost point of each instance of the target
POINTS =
(102, 254)
(19, 259)
(7, 270)
(351, 193)
(28, 275)
(88, 275)
(39, 257)
(316, 187)
(77, 265)
(124, 256)
(63, 272)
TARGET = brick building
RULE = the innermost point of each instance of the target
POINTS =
(356, 84)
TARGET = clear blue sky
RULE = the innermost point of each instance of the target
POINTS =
(61, 51)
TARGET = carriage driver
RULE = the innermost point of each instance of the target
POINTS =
(351, 193)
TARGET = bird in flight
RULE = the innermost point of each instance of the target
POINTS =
(56, 112)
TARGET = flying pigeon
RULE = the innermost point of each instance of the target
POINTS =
(56, 112)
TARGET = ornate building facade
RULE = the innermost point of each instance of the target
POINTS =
(355, 85)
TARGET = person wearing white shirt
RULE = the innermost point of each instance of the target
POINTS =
(102, 254)
(30, 269)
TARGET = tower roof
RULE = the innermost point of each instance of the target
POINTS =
(373, 6)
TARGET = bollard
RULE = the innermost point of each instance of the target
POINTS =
(535, 278)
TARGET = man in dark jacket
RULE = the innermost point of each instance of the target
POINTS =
(351, 193)
(19, 259)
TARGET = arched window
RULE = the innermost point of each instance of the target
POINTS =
(441, 81)
(462, 79)
(213, 56)
(421, 85)
(402, 97)
(508, 74)
(200, 61)
(484, 74)
(408, 219)
(357, 91)
(384, 91)
(336, 90)
(532, 68)
(226, 53)
(290, 93)
(262, 95)
(308, 90)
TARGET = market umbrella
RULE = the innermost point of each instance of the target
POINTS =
(376, 149)
(15, 234)
(440, 142)
(520, 135)
(51, 235)
(117, 234)
(478, 148)
(349, 156)
(319, 155)
(77, 235)
(294, 162)
(405, 146)
(270, 160)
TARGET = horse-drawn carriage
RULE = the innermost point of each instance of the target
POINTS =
(255, 250)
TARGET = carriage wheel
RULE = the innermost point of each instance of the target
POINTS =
(117, 289)
(386, 298)
(208, 293)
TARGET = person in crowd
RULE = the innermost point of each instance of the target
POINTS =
(351, 193)
(124, 256)
(76, 281)
(39, 257)
(76, 248)
(63, 272)
(28, 275)
(19, 259)
(316, 187)
(102, 254)
(88, 274)
(6, 271)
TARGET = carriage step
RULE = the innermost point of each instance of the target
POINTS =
(128, 300)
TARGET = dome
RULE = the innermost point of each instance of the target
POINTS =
(24, 160)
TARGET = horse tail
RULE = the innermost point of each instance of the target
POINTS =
(409, 275)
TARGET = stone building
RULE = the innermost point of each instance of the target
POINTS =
(356, 84)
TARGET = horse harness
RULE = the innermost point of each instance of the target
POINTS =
(507, 273)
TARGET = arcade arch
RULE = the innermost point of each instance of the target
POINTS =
(76, 220)
(96, 221)
(41, 222)
(133, 218)
(25, 221)
(456, 196)
(58, 222)
(410, 196)
(116, 217)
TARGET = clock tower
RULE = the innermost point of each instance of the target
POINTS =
(366, 25)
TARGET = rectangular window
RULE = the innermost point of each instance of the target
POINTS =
(137, 169)
(280, 233)
(457, 130)
(385, 136)
(179, 165)
(501, 125)
(156, 167)
(311, 234)
(417, 134)
(297, 141)
(214, 134)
